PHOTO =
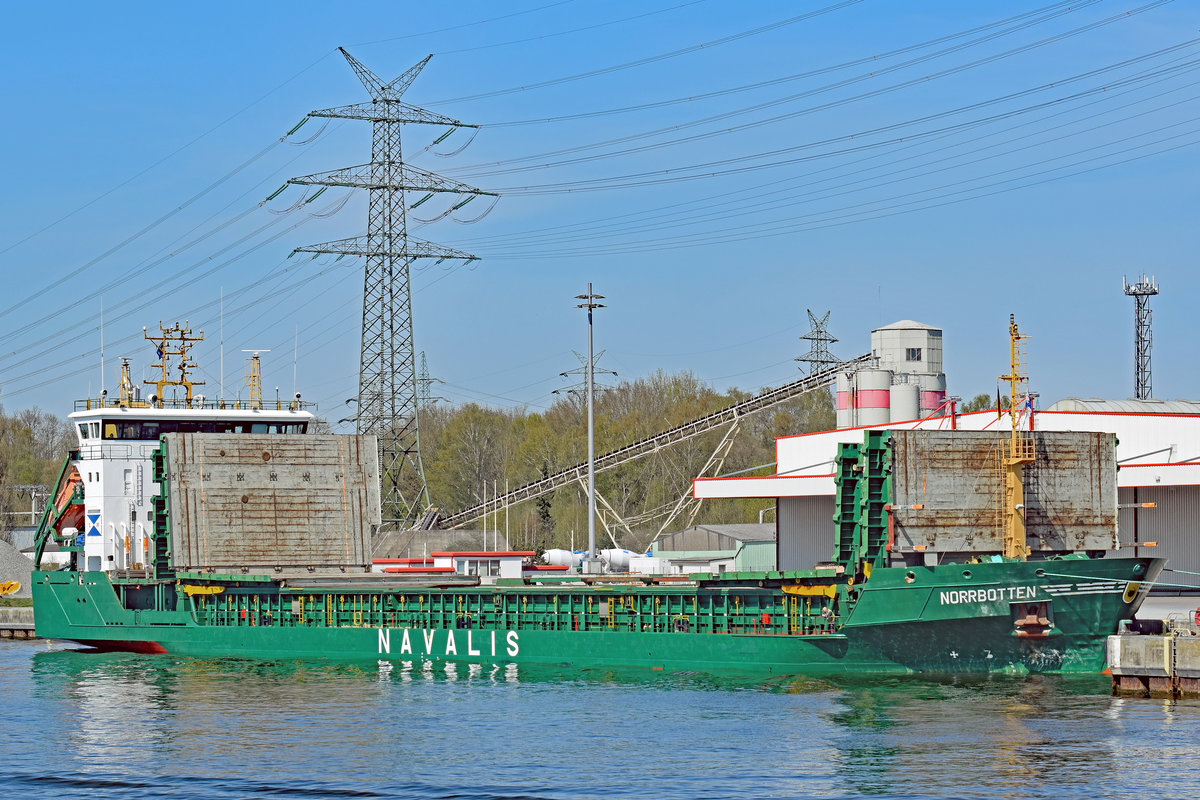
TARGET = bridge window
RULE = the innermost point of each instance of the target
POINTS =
(151, 430)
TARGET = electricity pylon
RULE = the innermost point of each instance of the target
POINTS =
(387, 385)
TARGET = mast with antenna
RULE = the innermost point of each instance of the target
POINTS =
(1019, 449)
(254, 377)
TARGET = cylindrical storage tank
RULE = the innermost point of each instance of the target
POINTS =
(905, 399)
(845, 400)
(873, 396)
(933, 394)
(563, 558)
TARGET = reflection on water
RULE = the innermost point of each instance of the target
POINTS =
(126, 725)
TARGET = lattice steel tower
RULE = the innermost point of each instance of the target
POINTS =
(818, 356)
(387, 385)
(1143, 337)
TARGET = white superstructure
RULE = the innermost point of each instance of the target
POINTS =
(117, 440)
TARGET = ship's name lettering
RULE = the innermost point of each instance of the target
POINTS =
(467, 642)
(957, 596)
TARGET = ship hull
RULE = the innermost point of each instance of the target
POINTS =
(953, 618)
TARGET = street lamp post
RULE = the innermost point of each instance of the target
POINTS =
(589, 302)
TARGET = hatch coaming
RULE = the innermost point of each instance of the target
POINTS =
(114, 457)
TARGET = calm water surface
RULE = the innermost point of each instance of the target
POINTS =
(85, 724)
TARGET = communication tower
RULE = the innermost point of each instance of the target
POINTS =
(387, 378)
(1141, 293)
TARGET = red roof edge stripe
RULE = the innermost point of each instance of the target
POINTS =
(488, 553)
(420, 570)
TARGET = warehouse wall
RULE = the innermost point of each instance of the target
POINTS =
(1172, 523)
(805, 535)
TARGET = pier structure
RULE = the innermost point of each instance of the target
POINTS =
(1162, 663)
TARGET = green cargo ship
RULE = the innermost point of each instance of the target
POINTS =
(226, 530)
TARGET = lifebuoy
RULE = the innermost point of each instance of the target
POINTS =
(1196, 616)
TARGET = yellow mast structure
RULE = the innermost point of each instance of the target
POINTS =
(254, 377)
(125, 390)
(1019, 450)
(174, 341)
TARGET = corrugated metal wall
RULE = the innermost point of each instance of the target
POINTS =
(756, 557)
(805, 531)
(1172, 523)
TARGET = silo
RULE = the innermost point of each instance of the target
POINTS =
(872, 396)
(845, 400)
(905, 398)
(933, 394)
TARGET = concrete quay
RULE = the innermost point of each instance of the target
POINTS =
(16, 623)
(1157, 658)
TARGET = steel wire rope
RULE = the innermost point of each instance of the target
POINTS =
(745, 210)
(115, 248)
(147, 302)
(140, 269)
(859, 216)
(595, 26)
(282, 294)
(463, 25)
(605, 183)
(65, 332)
(717, 214)
(165, 282)
(773, 81)
(680, 209)
(796, 96)
(167, 157)
(126, 339)
(650, 59)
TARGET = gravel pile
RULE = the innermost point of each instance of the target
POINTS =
(15, 567)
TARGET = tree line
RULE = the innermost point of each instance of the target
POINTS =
(33, 444)
(472, 451)
(469, 451)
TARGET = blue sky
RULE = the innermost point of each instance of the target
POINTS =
(713, 168)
